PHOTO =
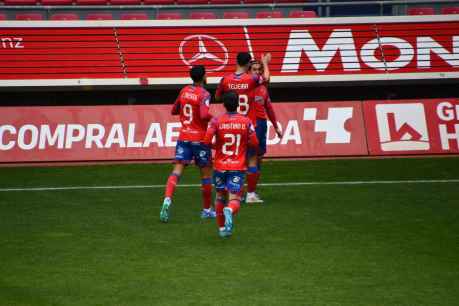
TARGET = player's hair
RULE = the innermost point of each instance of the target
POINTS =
(255, 62)
(231, 101)
(197, 73)
(243, 58)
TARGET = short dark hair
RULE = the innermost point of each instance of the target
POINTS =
(197, 73)
(243, 58)
(231, 101)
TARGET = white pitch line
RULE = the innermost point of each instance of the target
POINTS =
(439, 181)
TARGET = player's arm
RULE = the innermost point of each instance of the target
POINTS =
(272, 115)
(176, 107)
(210, 133)
(219, 91)
(204, 108)
(253, 140)
(265, 59)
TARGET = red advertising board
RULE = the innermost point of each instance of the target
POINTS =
(165, 53)
(31, 134)
(412, 126)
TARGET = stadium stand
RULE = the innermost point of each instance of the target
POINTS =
(3, 17)
(269, 14)
(56, 2)
(158, 2)
(257, 1)
(125, 2)
(65, 16)
(134, 16)
(302, 14)
(91, 2)
(421, 11)
(225, 2)
(99, 16)
(235, 15)
(29, 16)
(19, 2)
(169, 15)
(192, 2)
(450, 10)
(202, 15)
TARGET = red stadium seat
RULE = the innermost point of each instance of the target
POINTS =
(125, 2)
(289, 1)
(192, 1)
(65, 16)
(421, 11)
(269, 14)
(225, 1)
(20, 2)
(302, 14)
(56, 2)
(134, 16)
(236, 15)
(99, 16)
(203, 15)
(257, 1)
(169, 15)
(450, 10)
(3, 17)
(29, 16)
(91, 2)
(159, 2)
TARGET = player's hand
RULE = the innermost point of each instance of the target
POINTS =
(266, 58)
(278, 132)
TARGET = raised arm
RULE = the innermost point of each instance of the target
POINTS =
(265, 59)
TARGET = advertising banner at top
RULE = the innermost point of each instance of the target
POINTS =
(166, 53)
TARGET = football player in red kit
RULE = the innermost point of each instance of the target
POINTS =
(233, 133)
(244, 83)
(260, 110)
(192, 105)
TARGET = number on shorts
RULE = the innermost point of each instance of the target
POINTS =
(230, 140)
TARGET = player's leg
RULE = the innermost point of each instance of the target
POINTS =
(234, 183)
(203, 159)
(220, 201)
(253, 172)
(182, 158)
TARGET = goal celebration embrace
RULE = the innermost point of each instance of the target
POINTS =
(237, 136)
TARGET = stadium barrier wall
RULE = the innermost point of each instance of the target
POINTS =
(112, 53)
(108, 133)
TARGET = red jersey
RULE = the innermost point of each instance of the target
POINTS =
(261, 108)
(233, 133)
(192, 105)
(243, 84)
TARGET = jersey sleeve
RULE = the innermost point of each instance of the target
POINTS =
(204, 107)
(211, 131)
(269, 109)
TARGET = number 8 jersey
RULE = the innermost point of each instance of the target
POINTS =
(192, 105)
(233, 133)
(243, 84)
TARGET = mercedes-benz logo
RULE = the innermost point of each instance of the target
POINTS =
(190, 56)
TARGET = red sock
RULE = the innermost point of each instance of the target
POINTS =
(257, 179)
(206, 190)
(170, 186)
(234, 205)
(252, 179)
(219, 205)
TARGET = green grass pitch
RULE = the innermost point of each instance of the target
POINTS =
(330, 245)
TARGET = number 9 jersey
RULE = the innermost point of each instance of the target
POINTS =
(192, 105)
(233, 134)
